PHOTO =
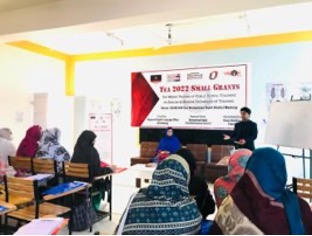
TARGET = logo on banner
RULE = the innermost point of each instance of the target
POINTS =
(233, 73)
(213, 75)
(174, 77)
(194, 75)
(155, 78)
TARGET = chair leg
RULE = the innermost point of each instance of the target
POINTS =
(110, 193)
(70, 222)
(5, 225)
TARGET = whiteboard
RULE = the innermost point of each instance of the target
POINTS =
(290, 124)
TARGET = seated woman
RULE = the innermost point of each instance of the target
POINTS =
(29, 146)
(260, 202)
(165, 206)
(7, 148)
(169, 144)
(50, 147)
(85, 152)
(237, 164)
(198, 186)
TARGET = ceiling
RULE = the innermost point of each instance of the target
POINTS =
(10, 5)
(283, 19)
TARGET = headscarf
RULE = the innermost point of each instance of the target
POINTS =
(29, 145)
(6, 149)
(237, 163)
(198, 186)
(85, 152)
(84, 147)
(165, 207)
(169, 143)
(269, 168)
(260, 202)
(6, 133)
(50, 147)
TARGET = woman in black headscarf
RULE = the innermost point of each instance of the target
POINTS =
(198, 186)
(85, 152)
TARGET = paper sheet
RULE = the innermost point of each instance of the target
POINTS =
(44, 226)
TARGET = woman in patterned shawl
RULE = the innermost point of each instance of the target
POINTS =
(237, 164)
(165, 207)
(50, 147)
(260, 202)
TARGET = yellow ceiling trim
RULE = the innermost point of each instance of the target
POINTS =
(39, 49)
(70, 60)
(70, 77)
(198, 47)
(45, 51)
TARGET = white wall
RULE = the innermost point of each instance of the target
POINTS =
(23, 73)
(287, 63)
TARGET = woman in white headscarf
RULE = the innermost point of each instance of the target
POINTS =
(7, 148)
(50, 148)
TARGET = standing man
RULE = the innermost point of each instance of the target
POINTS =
(245, 132)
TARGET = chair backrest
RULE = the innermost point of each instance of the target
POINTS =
(220, 151)
(148, 149)
(19, 187)
(302, 187)
(46, 166)
(200, 151)
(77, 171)
(20, 162)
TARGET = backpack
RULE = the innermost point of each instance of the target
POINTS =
(83, 216)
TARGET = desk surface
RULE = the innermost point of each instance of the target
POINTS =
(75, 190)
(10, 207)
(143, 168)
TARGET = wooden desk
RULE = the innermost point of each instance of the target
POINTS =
(10, 207)
(103, 176)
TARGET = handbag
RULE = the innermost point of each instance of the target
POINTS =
(83, 216)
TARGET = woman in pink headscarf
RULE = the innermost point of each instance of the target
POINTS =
(29, 145)
(237, 163)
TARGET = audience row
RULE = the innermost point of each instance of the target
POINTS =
(251, 199)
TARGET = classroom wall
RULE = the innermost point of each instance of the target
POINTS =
(110, 79)
(22, 74)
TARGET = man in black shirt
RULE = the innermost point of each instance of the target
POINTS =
(245, 132)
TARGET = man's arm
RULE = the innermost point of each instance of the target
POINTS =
(234, 136)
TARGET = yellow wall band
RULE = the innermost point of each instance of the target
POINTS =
(70, 77)
(39, 49)
(45, 51)
(70, 60)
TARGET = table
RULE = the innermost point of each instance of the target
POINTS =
(129, 182)
(143, 174)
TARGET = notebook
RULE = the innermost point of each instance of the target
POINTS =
(63, 188)
(2, 208)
